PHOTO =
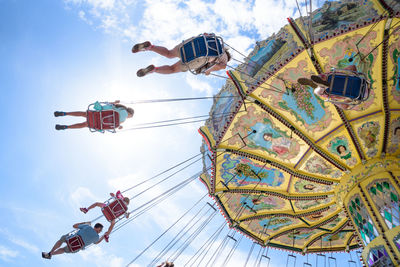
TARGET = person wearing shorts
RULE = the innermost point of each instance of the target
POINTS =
(220, 62)
(88, 234)
(320, 83)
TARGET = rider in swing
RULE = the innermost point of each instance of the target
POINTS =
(89, 235)
(117, 195)
(123, 111)
(215, 63)
(320, 83)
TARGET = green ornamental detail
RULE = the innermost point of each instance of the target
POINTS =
(386, 200)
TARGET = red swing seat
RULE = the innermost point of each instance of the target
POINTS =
(75, 243)
(102, 120)
(114, 209)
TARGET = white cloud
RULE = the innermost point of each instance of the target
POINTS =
(101, 257)
(82, 196)
(18, 241)
(7, 254)
(168, 22)
(198, 84)
(26, 245)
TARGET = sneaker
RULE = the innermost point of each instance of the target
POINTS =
(61, 127)
(145, 71)
(307, 82)
(46, 255)
(317, 79)
(141, 47)
(59, 113)
(84, 210)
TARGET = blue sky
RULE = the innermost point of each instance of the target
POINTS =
(64, 55)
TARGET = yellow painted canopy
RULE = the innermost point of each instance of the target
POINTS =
(276, 161)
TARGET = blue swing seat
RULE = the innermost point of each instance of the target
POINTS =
(352, 86)
(201, 46)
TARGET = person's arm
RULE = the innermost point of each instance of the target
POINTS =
(76, 226)
(98, 241)
(110, 228)
(115, 102)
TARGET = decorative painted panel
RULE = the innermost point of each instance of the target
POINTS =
(242, 172)
(394, 143)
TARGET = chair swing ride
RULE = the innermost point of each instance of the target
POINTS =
(287, 168)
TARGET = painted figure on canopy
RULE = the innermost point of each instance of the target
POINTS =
(116, 207)
(280, 145)
(210, 55)
(83, 237)
(94, 119)
(395, 136)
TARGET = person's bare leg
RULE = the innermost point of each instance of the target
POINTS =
(76, 114)
(166, 69)
(58, 251)
(164, 51)
(78, 125)
(96, 204)
(56, 246)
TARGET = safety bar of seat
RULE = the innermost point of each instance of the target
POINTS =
(214, 39)
(320, 255)
(208, 203)
(331, 259)
(231, 237)
(293, 257)
(266, 259)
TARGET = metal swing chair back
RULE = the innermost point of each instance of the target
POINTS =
(204, 49)
(102, 120)
(347, 87)
(74, 242)
(114, 209)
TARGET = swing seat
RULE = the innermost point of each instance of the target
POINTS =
(75, 243)
(347, 87)
(102, 120)
(202, 47)
(114, 209)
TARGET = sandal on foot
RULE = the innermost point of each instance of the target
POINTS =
(141, 47)
(307, 82)
(61, 127)
(145, 71)
(317, 79)
(46, 255)
(84, 210)
(59, 113)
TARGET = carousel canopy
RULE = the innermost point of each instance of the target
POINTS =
(278, 160)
